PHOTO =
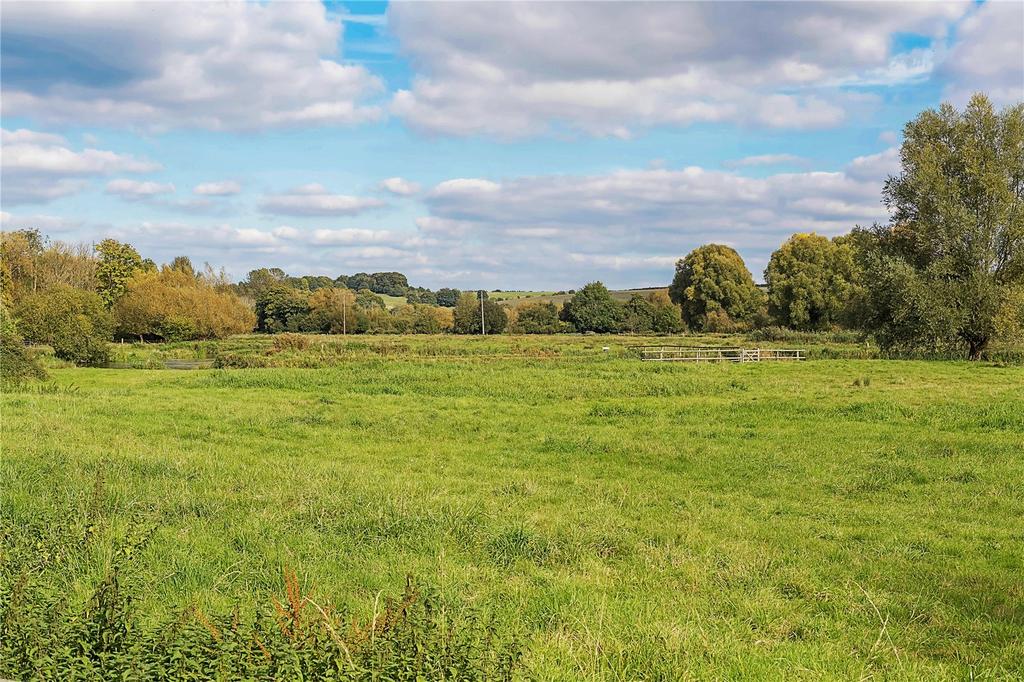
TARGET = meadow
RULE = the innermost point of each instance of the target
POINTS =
(838, 518)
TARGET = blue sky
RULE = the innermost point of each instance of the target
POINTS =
(511, 145)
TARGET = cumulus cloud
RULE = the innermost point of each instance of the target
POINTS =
(217, 189)
(316, 200)
(518, 69)
(222, 65)
(135, 190)
(635, 223)
(989, 54)
(38, 167)
(400, 186)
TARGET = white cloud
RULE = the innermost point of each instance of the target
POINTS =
(633, 224)
(37, 167)
(47, 224)
(135, 190)
(766, 160)
(989, 54)
(875, 166)
(217, 189)
(516, 69)
(400, 186)
(316, 200)
(215, 65)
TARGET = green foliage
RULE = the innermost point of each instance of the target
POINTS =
(538, 318)
(592, 309)
(74, 322)
(17, 362)
(809, 281)
(448, 297)
(638, 315)
(280, 307)
(259, 281)
(117, 264)
(367, 299)
(421, 295)
(715, 290)
(666, 317)
(953, 252)
(466, 318)
(414, 636)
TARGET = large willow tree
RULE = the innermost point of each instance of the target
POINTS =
(947, 273)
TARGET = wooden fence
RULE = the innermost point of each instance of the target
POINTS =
(692, 354)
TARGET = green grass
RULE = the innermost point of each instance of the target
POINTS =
(829, 519)
(392, 301)
(522, 297)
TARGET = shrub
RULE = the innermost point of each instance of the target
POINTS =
(413, 636)
(74, 322)
(17, 363)
(537, 318)
(175, 305)
(290, 341)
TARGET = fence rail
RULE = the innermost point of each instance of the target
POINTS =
(692, 354)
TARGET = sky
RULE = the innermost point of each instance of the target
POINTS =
(514, 145)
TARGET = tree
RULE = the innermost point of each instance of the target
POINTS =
(117, 263)
(448, 297)
(260, 280)
(666, 317)
(638, 315)
(74, 322)
(390, 283)
(278, 305)
(809, 281)
(940, 272)
(367, 299)
(537, 318)
(592, 309)
(466, 319)
(183, 264)
(714, 288)
(30, 262)
(335, 310)
(175, 305)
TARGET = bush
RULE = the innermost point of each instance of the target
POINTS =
(289, 341)
(17, 363)
(174, 305)
(73, 321)
(414, 636)
(537, 318)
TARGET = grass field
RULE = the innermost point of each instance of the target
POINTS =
(830, 519)
(521, 297)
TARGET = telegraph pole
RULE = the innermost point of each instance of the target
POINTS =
(344, 313)
(483, 328)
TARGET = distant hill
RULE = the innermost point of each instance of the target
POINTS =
(516, 298)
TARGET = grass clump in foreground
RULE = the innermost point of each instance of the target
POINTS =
(576, 514)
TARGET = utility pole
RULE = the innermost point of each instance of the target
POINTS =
(344, 313)
(483, 327)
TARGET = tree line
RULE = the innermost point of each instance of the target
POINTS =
(946, 274)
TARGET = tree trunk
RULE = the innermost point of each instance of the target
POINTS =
(976, 346)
